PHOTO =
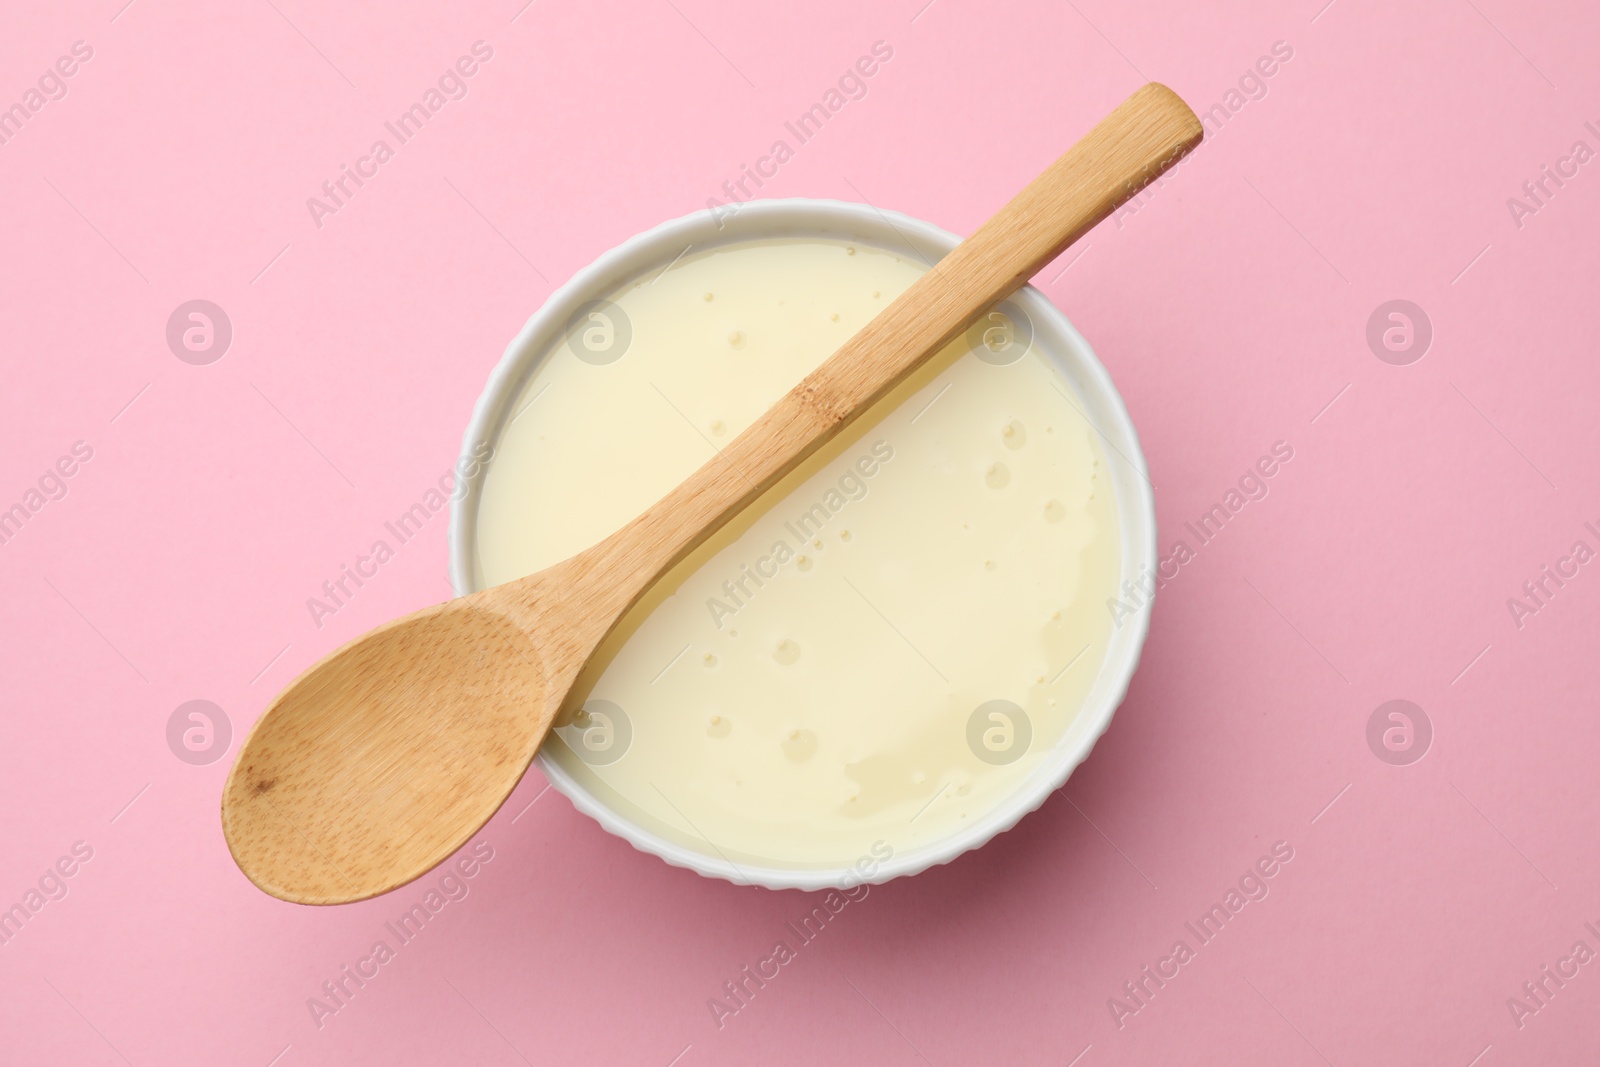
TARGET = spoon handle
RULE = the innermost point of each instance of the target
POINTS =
(1146, 134)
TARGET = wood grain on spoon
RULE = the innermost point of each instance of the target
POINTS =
(380, 761)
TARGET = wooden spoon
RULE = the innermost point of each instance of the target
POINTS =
(380, 761)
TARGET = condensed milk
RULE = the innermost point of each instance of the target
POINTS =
(887, 644)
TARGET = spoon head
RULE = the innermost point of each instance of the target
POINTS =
(379, 762)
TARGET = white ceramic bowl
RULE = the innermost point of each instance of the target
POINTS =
(1054, 336)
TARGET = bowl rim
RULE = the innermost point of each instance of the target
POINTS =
(1072, 358)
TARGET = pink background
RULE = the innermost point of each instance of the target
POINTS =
(1230, 310)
